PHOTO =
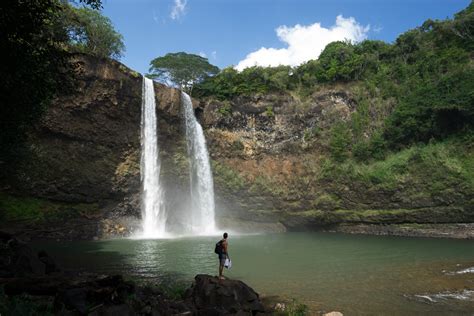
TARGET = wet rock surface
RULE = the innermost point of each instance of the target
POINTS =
(460, 231)
(212, 296)
(79, 228)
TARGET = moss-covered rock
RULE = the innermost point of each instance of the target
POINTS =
(34, 210)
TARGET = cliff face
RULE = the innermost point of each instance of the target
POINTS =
(268, 156)
(86, 148)
(261, 148)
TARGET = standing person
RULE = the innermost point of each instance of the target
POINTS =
(223, 253)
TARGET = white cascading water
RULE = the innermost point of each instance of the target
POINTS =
(202, 220)
(153, 215)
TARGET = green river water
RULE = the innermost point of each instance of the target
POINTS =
(357, 275)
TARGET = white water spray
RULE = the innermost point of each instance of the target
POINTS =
(202, 219)
(153, 215)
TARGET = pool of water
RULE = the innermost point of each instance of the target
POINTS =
(357, 275)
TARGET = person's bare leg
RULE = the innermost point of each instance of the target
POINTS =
(221, 268)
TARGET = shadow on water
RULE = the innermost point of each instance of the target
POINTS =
(138, 261)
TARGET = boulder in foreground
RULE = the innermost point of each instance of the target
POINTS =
(211, 296)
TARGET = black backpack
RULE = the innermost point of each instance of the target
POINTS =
(218, 249)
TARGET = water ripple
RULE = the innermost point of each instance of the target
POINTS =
(465, 295)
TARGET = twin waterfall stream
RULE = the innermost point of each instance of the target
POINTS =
(200, 218)
(153, 213)
(202, 184)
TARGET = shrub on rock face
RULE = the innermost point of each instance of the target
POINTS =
(340, 142)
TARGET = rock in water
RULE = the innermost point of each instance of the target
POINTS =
(211, 296)
(17, 259)
(49, 264)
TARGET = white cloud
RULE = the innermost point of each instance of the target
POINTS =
(178, 9)
(202, 54)
(305, 43)
(214, 55)
(378, 29)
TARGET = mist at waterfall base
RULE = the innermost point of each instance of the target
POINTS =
(200, 214)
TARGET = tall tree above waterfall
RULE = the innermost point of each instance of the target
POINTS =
(92, 33)
(181, 69)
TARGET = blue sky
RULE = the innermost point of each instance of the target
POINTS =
(227, 31)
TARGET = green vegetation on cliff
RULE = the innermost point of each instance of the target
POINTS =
(92, 33)
(446, 164)
(35, 210)
(369, 133)
(428, 74)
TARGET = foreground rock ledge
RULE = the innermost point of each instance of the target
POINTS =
(107, 295)
(212, 296)
(24, 273)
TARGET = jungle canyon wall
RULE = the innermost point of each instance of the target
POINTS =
(271, 164)
(268, 157)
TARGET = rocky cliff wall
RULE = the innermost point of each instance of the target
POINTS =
(86, 148)
(270, 155)
(269, 159)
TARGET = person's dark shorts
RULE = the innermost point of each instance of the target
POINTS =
(222, 259)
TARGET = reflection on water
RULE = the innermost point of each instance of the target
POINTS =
(354, 274)
(465, 295)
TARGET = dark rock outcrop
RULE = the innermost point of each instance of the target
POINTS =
(17, 259)
(211, 296)
(95, 295)
(105, 295)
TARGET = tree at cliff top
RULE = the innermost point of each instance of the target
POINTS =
(92, 33)
(94, 4)
(230, 83)
(181, 69)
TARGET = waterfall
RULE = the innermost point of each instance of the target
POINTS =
(153, 217)
(201, 219)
